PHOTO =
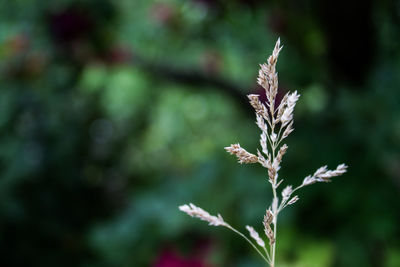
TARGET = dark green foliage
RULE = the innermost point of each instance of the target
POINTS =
(113, 113)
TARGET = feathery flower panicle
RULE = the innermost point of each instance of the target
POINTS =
(287, 115)
(288, 130)
(281, 107)
(279, 156)
(242, 155)
(255, 236)
(293, 200)
(268, 78)
(203, 215)
(259, 107)
(276, 124)
(287, 192)
(268, 219)
(261, 124)
(264, 143)
(324, 175)
(309, 180)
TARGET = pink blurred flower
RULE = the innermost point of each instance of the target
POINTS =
(170, 257)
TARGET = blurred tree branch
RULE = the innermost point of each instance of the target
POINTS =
(195, 78)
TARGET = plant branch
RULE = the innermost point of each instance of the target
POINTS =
(251, 243)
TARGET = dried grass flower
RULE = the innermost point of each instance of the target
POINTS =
(276, 124)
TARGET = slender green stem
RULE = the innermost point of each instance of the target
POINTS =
(275, 209)
(275, 212)
(266, 253)
(251, 243)
(274, 245)
(279, 138)
(268, 138)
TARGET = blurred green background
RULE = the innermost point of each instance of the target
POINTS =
(113, 113)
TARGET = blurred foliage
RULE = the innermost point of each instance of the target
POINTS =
(113, 113)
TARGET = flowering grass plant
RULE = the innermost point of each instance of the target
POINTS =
(276, 124)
